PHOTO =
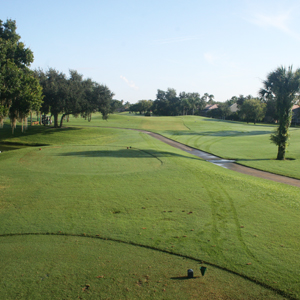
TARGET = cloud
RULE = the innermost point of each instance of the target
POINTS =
(176, 40)
(280, 21)
(129, 83)
(209, 57)
(222, 60)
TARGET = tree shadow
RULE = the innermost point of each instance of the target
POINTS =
(253, 159)
(184, 278)
(229, 133)
(127, 153)
(32, 130)
(238, 122)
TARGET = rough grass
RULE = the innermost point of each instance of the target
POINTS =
(88, 182)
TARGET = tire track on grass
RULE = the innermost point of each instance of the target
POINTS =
(215, 205)
(237, 224)
(97, 236)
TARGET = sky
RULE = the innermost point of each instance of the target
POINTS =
(135, 47)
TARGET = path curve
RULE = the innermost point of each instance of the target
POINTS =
(228, 164)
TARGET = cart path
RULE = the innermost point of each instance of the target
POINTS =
(228, 164)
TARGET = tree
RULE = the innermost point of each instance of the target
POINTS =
(173, 101)
(55, 91)
(73, 95)
(224, 110)
(142, 106)
(166, 103)
(205, 97)
(271, 111)
(232, 100)
(211, 99)
(29, 98)
(284, 85)
(184, 103)
(116, 105)
(19, 90)
(194, 100)
(100, 99)
(252, 110)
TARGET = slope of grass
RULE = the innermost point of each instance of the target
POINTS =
(89, 181)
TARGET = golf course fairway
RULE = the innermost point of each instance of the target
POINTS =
(94, 212)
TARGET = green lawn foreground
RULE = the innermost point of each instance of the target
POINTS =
(86, 182)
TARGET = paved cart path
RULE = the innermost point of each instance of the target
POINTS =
(228, 164)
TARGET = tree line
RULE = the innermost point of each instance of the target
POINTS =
(167, 103)
(72, 96)
(248, 108)
(23, 91)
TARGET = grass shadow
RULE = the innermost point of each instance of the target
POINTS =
(221, 133)
(239, 122)
(253, 159)
(126, 153)
(6, 132)
(184, 278)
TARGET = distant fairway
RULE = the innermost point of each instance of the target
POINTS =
(88, 182)
(248, 144)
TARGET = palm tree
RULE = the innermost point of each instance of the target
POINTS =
(211, 99)
(185, 105)
(205, 96)
(284, 86)
(194, 99)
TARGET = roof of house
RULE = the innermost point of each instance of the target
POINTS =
(233, 107)
(210, 107)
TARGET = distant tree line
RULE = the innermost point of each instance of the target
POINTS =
(168, 103)
(238, 108)
(242, 108)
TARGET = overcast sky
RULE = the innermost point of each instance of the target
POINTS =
(135, 47)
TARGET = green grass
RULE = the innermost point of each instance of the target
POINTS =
(248, 144)
(64, 267)
(87, 182)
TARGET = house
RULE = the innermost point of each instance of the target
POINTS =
(233, 108)
(296, 114)
(207, 108)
